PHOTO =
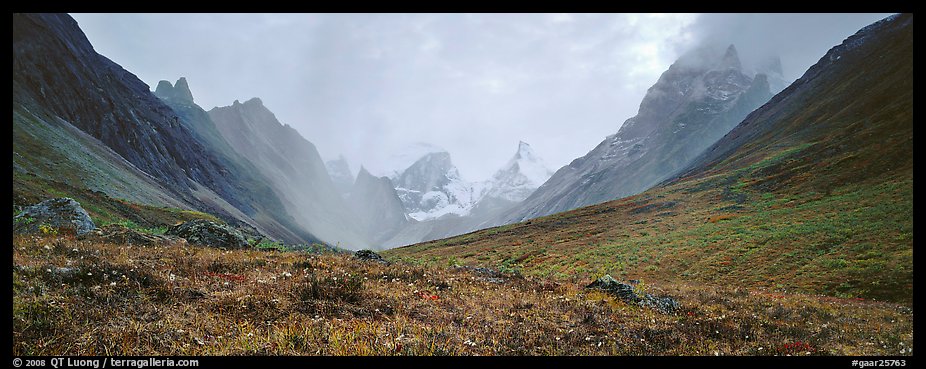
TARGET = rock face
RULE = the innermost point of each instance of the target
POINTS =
(629, 294)
(369, 255)
(206, 233)
(378, 208)
(58, 213)
(693, 104)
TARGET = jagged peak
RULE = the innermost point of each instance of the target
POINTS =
(164, 87)
(731, 59)
(178, 92)
(524, 151)
(254, 101)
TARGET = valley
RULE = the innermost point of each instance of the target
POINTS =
(734, 214)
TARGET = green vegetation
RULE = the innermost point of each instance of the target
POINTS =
(854, 241)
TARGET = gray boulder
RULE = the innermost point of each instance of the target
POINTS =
(369, 255)
(629, 294)
(58, 213)
(206, 233)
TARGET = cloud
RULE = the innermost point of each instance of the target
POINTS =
(365, 85)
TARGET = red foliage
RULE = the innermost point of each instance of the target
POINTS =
(427, 295)
(795, 347)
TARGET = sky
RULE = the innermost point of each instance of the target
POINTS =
(367, 86)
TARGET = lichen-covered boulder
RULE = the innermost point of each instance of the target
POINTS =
(369, 255)
(629, 294)
(60, 213)
(206, 233)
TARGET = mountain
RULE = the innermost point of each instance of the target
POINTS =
(274, 219)
(83, 120)
(520, 176)
(341, 176)
(692, 105)
(379, 209)
(841, 138)
(293, 168)
(523, 174)
(812, 192)
(431, 188)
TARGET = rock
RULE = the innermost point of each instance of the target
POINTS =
(489, 275)
(58, 213)
(117, 233)
(628, 293)
(369, 255)
(206, 233)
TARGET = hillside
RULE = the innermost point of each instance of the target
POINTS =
(813, 192)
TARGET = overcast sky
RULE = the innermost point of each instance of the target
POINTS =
(367, 85)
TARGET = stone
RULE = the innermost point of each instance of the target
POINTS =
(205, 233)
(369, 255)
(627, 293)
(60, 213)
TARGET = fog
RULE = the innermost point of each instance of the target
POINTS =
(367, 85)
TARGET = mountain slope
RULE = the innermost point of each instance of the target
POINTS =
(813, 192)
(379, 209)
(293, 167)
(271, 217)
(129, 145)
(694, 103)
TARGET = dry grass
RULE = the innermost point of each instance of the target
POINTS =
(83, 298)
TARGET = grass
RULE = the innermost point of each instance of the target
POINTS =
(87, 298)
(855, 240)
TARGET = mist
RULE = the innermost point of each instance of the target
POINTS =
(368, 85)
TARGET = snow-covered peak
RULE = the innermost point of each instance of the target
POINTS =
(523, 173)
(525, 162)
